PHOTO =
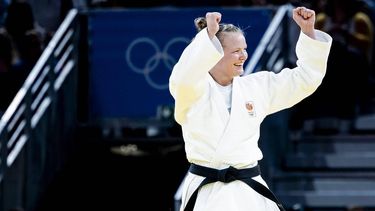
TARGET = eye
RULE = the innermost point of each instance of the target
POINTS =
(240, 51)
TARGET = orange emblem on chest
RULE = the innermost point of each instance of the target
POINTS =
(249, 106)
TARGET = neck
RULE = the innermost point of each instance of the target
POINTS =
(221, 78)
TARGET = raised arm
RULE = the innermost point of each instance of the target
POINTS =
(188, 80)
(290, 86)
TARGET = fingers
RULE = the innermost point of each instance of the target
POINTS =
(213, 16)
(213, 19)
(305, 19)
(304, 12)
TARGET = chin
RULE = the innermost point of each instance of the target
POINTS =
(238, 72)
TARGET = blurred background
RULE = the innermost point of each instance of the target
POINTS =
(87, 119)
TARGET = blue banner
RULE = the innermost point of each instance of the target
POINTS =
(132, 53)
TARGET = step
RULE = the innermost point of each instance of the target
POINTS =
(365, 160)
(334, 147)
(328, 189)
(332, 198)
(365, 122)
(334, 144)
(281, 175)
(324, 184)
(334, 138)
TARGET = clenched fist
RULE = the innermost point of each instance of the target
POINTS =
(305, 19)
(213, 19)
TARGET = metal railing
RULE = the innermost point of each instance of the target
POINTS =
(33, 129)
(274, 47)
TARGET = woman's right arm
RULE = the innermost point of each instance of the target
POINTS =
(188, 79)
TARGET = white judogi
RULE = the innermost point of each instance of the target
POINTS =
(216, 138)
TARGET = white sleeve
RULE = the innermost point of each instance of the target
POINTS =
(189, 76)
(290, 86)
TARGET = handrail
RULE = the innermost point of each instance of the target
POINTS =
(27, 124)
(266, 41)
(31, 80)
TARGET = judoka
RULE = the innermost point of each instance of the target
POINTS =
(220, 111)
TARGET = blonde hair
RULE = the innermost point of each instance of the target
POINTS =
(201, 23)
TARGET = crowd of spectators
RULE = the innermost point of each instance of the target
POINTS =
(26, 26)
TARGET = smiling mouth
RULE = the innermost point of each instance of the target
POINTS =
(238, 65)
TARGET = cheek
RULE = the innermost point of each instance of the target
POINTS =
(233, 57)
(227, 59)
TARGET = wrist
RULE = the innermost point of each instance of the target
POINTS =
(210, 34)
(310, 33)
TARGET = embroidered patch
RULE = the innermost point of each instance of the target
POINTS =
(250, 108)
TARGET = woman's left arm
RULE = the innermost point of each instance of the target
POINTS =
(290, 86)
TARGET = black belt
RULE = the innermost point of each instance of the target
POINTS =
(229, 175)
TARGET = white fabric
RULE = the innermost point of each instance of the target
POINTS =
(216, 138)
(226, 92)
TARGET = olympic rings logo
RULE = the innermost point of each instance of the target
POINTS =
(151, 64)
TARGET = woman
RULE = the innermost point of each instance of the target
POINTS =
(220, 112)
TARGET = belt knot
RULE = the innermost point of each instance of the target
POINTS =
(227, 175)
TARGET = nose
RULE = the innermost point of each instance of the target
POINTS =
(243, 55)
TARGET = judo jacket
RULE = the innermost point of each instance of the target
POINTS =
(214, 137)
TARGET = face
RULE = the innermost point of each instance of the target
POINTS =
(235, 54)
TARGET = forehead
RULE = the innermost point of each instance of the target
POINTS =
(233, 40)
